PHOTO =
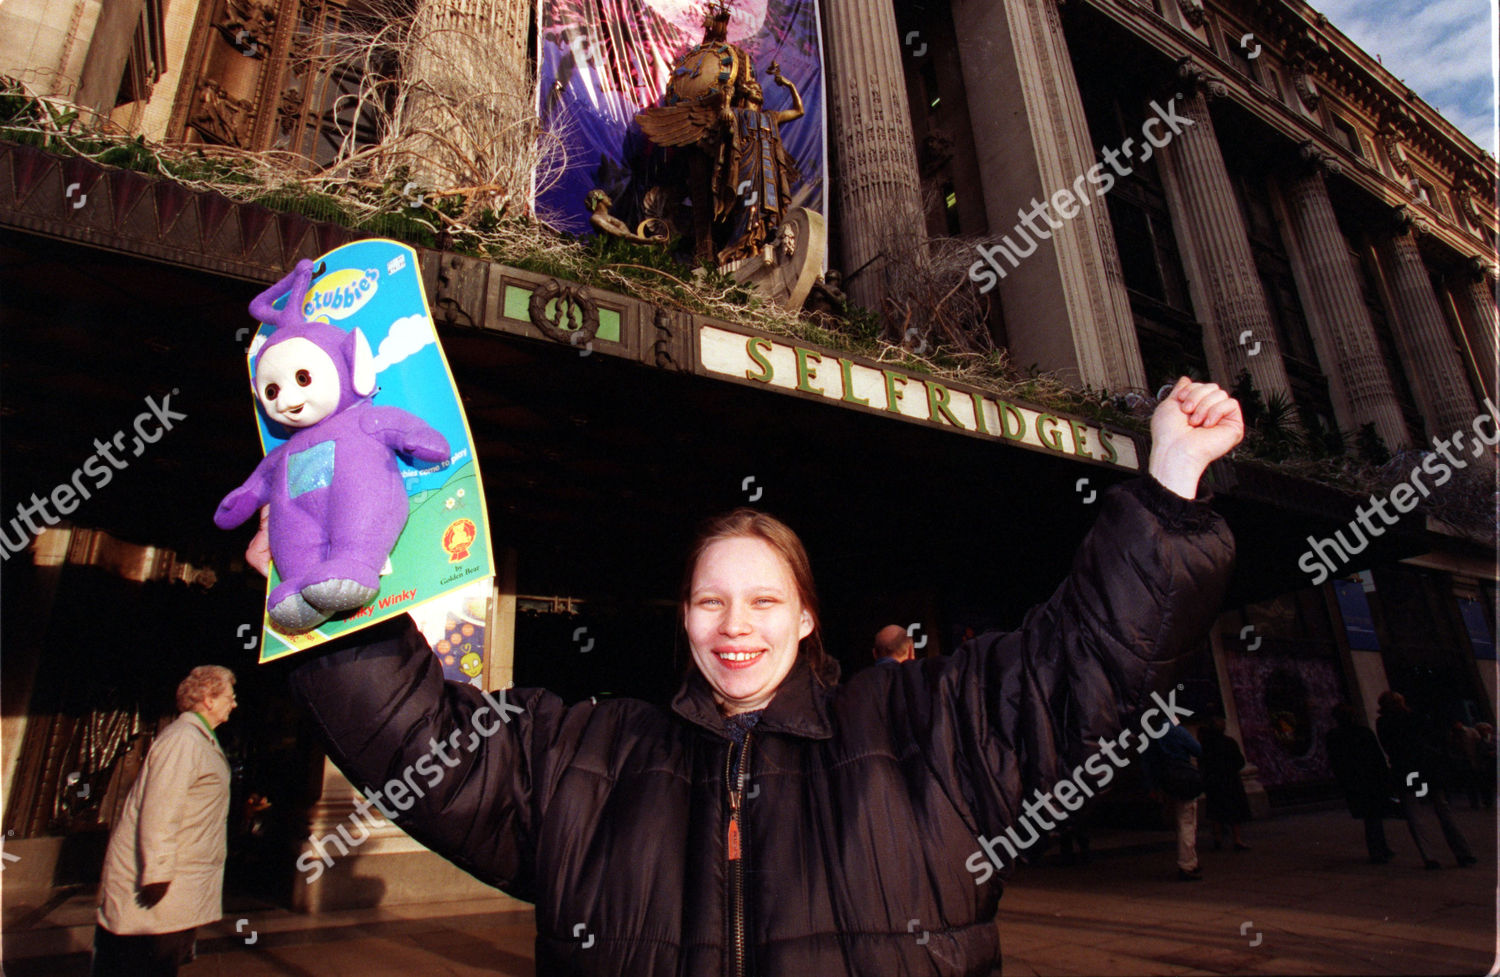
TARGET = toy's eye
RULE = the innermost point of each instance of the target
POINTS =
(303, 378)
(272, 390)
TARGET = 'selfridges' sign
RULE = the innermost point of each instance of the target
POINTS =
(785, 364)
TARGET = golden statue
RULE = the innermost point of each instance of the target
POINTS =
(652, 230)
(740, 176)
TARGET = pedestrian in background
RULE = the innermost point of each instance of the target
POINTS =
(1172, 776)
(1463, 757)
(893, 645)
(1363, 776)
(1223, 787)
(1418, 766)
(164, 868)
(1484, 752)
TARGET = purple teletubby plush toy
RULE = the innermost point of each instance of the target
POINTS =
(336, 496)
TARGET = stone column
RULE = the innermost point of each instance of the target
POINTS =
(1433, 365)
(1474, 296)
(469, 108)
(1066, 308)
(1255, 791)
(353, 858)
(109, 49)
(879, 191)
(1238, 333)
(500, 636)
(1342, 330)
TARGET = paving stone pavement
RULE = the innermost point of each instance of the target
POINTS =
(1303, 901)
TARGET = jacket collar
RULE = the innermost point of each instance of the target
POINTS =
(799, 707)
(192, 719)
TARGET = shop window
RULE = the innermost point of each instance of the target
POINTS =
(1290, 712)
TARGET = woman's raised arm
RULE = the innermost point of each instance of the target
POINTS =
(1010, 716)
(465, 772)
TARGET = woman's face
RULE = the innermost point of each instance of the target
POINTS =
(744, 620)
(216, 708)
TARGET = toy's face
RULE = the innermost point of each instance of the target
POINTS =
(297, 383)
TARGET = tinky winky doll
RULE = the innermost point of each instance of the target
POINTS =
(334, 488)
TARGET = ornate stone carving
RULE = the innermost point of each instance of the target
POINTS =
(786, 241)
(1463, 197)
(827, 295)
(1193, 12)
(1477, 269)
(1306, 88)
(937, 151)
(1394, 151)
(220, 117)
(1404, 219)
(1317, 158)
(573, 317)
(446, 299)
(665, 340)
(785, 271)
(1198, 79)
(288, 108)
(653, 230)
(248, 26)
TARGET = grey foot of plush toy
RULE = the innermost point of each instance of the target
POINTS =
(338, 595)
(294, 615)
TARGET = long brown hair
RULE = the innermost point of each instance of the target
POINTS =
(745, 522)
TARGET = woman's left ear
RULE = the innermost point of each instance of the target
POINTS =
(805, 628)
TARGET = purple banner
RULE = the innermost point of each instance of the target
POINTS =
(602, 61)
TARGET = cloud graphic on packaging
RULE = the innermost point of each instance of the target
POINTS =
(407, 336)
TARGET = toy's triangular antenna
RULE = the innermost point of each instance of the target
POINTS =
(295, 282)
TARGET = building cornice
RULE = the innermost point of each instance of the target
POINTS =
(1299, 39)
(160, 220)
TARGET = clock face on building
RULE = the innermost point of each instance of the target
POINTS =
(701, 71)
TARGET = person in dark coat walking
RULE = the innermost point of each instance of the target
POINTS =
(1485, 759)
(1362, 774)
(1463, 759)
(1419, 770)
(1223, 787)
(771, 821)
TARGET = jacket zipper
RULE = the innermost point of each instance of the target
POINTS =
(734, 851)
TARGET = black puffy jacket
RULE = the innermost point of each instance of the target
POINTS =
(862, 804)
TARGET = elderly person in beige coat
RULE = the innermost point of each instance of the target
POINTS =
(164, 870)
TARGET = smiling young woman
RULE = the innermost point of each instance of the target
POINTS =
(772, 820)
(749, 609)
